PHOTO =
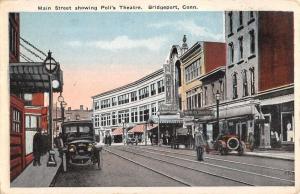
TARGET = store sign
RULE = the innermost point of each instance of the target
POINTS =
(168, 109)
(198, 113)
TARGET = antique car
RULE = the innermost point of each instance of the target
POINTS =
(227, 143)
(80, 147)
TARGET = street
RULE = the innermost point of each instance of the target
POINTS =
(145, 166)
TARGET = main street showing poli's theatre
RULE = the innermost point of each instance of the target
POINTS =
(238, 94)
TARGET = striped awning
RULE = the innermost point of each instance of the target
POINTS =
(137, 129)
(117, 131)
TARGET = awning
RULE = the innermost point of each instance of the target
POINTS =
(137, 129)
(32, 77)
(277, 100)
(117, 131)
(152, 127)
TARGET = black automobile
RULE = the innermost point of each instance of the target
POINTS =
(80, 147)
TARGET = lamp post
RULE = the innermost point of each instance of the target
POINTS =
(123, 139)
(218, 101)
(51, 66)
(158, 128)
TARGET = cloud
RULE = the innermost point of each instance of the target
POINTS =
(123, 43)
(74, 43)
(190, 26)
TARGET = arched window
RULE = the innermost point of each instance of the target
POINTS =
(245, 83)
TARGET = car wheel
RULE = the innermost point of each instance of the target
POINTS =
(64, 161)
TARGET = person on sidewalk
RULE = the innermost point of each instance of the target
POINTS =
(37, 147)
(200, 144)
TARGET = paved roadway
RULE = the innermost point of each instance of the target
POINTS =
(159, 166)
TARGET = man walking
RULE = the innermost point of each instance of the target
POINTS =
(37, 147)
(200, 143)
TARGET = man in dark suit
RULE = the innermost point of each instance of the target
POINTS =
(37, 147)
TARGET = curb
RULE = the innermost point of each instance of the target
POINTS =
(55, 176)
(272, 157)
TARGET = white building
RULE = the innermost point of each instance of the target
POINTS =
(129, 105)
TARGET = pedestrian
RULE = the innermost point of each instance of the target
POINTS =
(251, 141)
(37, 147)
(60, 144)
(109, 139)
(200, 144)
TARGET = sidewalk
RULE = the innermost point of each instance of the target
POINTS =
(273, 154)
(38, 176)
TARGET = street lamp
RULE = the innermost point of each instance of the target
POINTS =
(123, 123)
(218, 101)
(51, 66)
(158, 128)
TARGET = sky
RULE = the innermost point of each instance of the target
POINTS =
(101, 51)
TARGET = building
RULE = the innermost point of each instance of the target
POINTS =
(129, 107)
(28, 83)
(203, 70)
(260, 89)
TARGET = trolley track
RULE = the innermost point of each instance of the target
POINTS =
(177, 165)
(222, 160)
(227, 169)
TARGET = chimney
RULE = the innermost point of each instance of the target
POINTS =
(69, 108)
(87, 108)
(81, 107)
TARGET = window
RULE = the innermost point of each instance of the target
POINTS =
(16, 126)
(193, 99)
(241, 47)
(245, 83)
(113, 101)
(230, 22)
(105, 103)
(160, 103)
(234, 85)
(105, 120)
(28, 99)
(12, 39)
(144, 93)
(160, 86)
(252, 42)
(96, 105)
(32, 122)
(144, 113)
(153, 89)
(134, 115)
(123, 115)
(133, 96)
(252, 80)
(153, 109)
(205, 95)
(123, 99)
(231, 52)
(113, 118)
(192, 71)
(96, 120)
(241, 18)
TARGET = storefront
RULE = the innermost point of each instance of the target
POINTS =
(27, 78)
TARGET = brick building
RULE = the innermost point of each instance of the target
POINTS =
(259, 75)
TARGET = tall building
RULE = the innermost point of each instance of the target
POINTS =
(202, 69)
(259, 75)
(128, 107)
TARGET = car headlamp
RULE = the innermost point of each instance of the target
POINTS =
(90, 147)
(72, 148)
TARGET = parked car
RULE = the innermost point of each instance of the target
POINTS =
(80, 147)
(132, 140)
(228, 143)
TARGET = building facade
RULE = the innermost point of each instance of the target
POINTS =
(128, 106)
(258, 70)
